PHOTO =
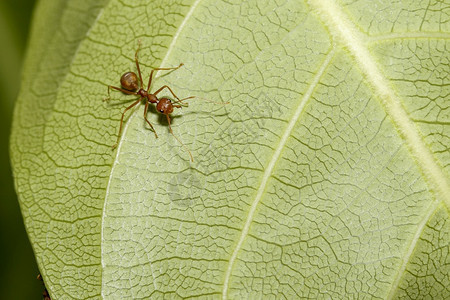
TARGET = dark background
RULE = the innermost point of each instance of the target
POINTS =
(18, 269)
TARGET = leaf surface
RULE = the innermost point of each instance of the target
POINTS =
(325, 177)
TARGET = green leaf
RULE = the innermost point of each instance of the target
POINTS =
(325, 177)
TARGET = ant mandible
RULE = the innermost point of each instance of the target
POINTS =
(129, 82)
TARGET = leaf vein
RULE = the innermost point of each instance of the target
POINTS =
(268, 171)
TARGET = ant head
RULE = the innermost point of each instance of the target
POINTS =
(164, 106)
(129, 81)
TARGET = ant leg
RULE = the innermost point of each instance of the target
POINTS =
(145, 117)
(137, 62)
(179, 100)
(121, 120)
(118, 89)
(160, 69)
(170, 128)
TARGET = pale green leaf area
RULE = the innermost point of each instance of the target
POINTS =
(326, 175)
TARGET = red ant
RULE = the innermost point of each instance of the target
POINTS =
(129, 82)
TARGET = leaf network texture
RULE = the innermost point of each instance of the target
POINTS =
(325, 177)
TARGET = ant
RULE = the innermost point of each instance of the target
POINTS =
(165, 106)
(45, 294)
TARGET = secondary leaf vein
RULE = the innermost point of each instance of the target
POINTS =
(268, 171)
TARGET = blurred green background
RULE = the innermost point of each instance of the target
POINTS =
(18, 269)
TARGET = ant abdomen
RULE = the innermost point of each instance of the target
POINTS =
(129, 81)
